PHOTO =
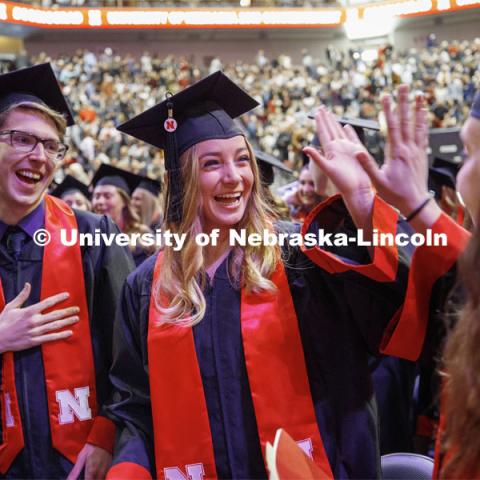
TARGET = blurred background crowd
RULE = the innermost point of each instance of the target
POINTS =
(105, 89)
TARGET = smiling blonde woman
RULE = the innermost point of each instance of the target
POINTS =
(218, 346)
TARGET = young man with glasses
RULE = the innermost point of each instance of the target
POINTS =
(57, 302)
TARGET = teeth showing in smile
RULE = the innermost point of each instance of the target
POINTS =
(228, 198)
(30, 177)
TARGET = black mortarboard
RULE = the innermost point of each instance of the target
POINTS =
(203, 111)
(70, 184)
(110, 175)
(36, 84)
(475, 111)
(151, 185)
(445, 143)
(442, 172)
(358, 124)
(266, 163)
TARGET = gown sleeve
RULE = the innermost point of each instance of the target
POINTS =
(406, 331)
(332, 218)
(131, 407)
(389, 277)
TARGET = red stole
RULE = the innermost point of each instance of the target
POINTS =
(69, 366)
(276, 371)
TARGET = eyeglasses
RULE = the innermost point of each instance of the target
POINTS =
(26, 142)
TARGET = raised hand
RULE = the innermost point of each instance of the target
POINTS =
(338, 161)
(22, 328)
(402, 179)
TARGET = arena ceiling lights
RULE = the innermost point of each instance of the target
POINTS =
(354, 18)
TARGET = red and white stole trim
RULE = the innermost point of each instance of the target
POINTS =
(68, 364)
(276, 371)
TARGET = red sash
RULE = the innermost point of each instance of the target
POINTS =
(69, 366)
(276, 371)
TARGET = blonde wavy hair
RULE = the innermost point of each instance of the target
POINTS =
(183, 274)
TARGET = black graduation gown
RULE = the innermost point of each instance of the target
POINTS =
(342, 319)
(105, 270)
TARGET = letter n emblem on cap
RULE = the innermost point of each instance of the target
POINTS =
(73, 405)
(170, 125)
(194, 472)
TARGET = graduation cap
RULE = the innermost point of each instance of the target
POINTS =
(445, 143)
(266, 163)
(36, 84)
(442, 173)
(360, 125)
(117, 177)
(203, 111)
(70, 184)
(151, 185)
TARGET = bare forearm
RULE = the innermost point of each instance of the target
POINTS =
(360, 207)
(425, 218)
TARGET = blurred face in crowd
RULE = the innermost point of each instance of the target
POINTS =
(106, 200)
(468, 179)
(24, 177)
(138, 197)
(75, 199)
(225, 180)
(306, 188)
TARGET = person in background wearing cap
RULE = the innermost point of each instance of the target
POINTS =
(458, 440)
(442, 181)
(266, 164)
(74, 193)
(217, 348)
(111, 196)
(54, 362)
(146, 202)
(308, 195)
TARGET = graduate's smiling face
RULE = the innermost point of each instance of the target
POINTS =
(106, 200)
(225, 181)
(24, 177)
(306, 188)
(138, 199)
(76, 200)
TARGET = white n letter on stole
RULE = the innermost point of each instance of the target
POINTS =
(194, 472)
(9, 420)
(306, 446)
(71, 406)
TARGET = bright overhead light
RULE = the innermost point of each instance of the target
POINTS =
(360, 29)
(375, 23)
(3, 11)
(245, 3)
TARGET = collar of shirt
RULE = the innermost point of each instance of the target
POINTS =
(29, 224)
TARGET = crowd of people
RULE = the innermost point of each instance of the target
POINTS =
(105, 89)
(177, 357)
